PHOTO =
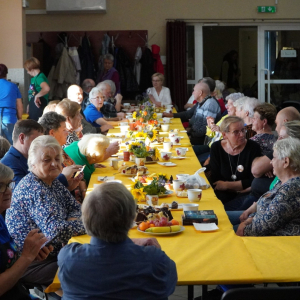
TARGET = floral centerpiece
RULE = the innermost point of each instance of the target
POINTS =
(147, 134)
(146, 114)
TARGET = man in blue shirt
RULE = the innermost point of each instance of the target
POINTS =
(11, 106)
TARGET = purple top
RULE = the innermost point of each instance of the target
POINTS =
(112, 74)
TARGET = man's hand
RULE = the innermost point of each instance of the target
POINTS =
(269, 174)
(168, 115)
(220, 185)
(215, 128)
(70, 170)
(121, 115)
(119, 98)
(113, 148)
(106, 127)
(44, 252)
(37, 101)
(147, 242)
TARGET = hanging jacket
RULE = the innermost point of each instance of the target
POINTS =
(147, 70)
(158, 66)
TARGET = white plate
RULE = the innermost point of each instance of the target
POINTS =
(164, 233)
(167, 164)
(178, 157)
(166, 194)
(205, 226)
(131, 175)
(183, 131)
(176, 144)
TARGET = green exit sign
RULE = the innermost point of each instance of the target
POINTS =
(266, 9)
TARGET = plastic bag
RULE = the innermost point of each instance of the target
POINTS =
(195, 181)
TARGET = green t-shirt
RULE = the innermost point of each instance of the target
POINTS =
(274, 182)
(37, 81)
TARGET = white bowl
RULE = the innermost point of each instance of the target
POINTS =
(190, 206)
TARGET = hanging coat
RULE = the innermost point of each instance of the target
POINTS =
(158, 66)
(147, 70)
(137, 64)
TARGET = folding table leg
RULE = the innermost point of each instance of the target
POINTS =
(190, 292)
(204, 292)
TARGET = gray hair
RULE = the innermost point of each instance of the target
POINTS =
(289, 147)
(228, 121)
(249, 105)
(108, 212)
(108, 56)
(239, 103)
(234, 96)
(292, 129)
(102, 86)
(51, 120)
(90, 142)
(4, 146)
(43, 141)
(6, 173)
(94, 91)
(112, 85)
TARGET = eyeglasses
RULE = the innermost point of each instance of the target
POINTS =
(238, 132)
(4, 186)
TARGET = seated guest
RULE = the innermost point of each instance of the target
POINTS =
(24, 133)
(93, 114)
(87, 86)
(71, 111)
(158, 94)
(230, 162)
(108, 213)
(207, 106)
(51, 106)
(277, 212)
(4, 146)
(262, 122)
(111, 106)
(91, 149)
(213, 131)
(55, 125)
(109, 72)
(75, 94)
(41, 202)
(14, 264)
(245, 110)
(218, 94)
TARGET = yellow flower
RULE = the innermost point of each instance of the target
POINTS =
(141, 134)
(134, 115)
(154, 116)
(139, 194)
(154, 135)
(156, 153)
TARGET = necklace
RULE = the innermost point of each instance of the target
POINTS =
(233, 176)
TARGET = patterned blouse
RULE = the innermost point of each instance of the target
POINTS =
(72, 137)
(265, 141)
(278, 211)
(48, 208)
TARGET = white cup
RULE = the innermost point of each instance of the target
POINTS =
(167, 146)
(190, 206)
(181, 151)
(172, 134)
(168, 111)
(165, 127)
(194, 195)
(166, 120)
(127, 105)
(115, 163)
(182, 176)
(124, 128)
(169, 106)
(178, 185)
(159, 115)
(175, 140)
(123, 124)
(165, 155)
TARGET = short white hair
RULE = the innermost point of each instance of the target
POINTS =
(234, 96)
(94, 91)
(89, 142)
(108, 212)
(249, 105)
(112, 85)
(102, 86)
(220, 86)
(42, 142)
(289, 147)
(239, 103)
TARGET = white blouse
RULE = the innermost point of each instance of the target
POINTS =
(164, 96)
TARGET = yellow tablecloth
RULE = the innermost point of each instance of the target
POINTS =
(214, 257)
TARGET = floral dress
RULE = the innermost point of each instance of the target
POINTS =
(265, 141)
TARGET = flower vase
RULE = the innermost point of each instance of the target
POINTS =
(140, 161)
(152, 200)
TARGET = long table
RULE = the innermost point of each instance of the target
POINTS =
(213, 257)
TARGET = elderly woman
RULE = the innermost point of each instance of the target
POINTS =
(41, 202)
(71, 111)
(4, 146)
(91, 149)
(55, 125)
(14, 264)
(277, 212)
(230, 162)
(245, 110)
(93, 114)
(11, 105)
(262, 122)
(110, 72)
(38, 92)
(159, 95)
(108, 213)
(220, 86)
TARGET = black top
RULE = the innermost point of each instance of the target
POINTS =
(220, 166)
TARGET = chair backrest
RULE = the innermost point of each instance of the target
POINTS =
(264, 293)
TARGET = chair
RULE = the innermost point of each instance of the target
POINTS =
(280, 293)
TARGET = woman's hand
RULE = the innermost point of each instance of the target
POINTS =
(70, 170)
(220, 185)
(32, 244)
(251, 210)
(73, 183)
(215, 128)
(240, 230)
(37, 101)
(44, 252)
(210, 121)
(113, 148)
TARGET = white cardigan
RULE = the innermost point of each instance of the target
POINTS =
(164, 96)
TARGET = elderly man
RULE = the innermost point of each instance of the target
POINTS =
(75, 94)
(87, 86)
(136, 265)
(207, 106)
(111, 105)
